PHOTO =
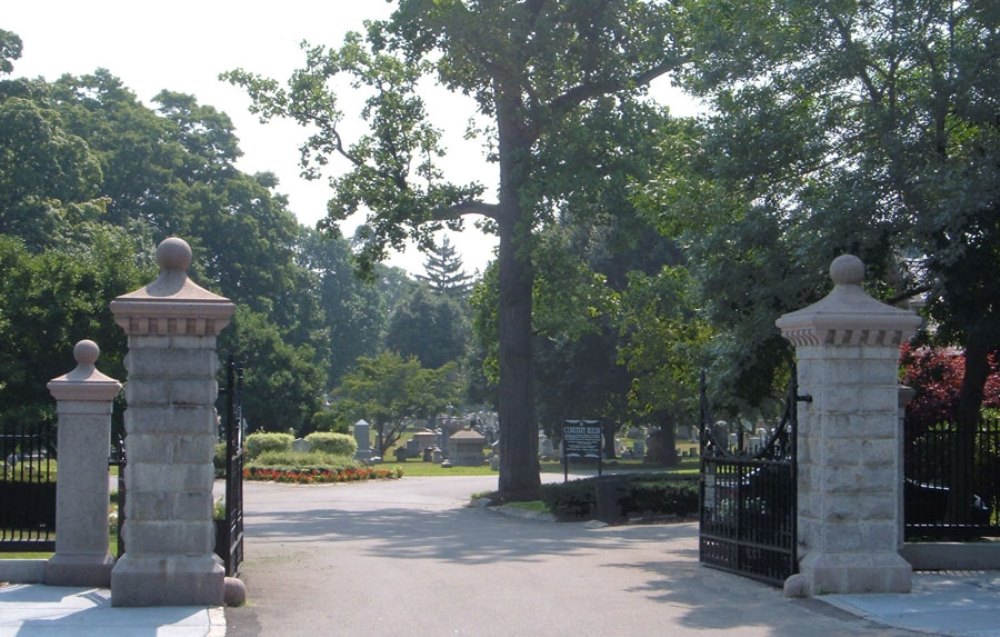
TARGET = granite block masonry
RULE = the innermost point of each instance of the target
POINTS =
(172, 325)
(850, 476)
(84, 398)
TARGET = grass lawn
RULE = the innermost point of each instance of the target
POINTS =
(687, 467)
(414, 468)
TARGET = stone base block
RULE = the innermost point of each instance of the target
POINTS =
(79, 570)
(952, 556)
(22, 571)
(830, 573)
(151, 580)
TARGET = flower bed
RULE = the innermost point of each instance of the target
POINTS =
(320, 475)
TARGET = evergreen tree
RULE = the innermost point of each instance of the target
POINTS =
(444, 272)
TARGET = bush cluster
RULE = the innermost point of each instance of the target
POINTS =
(258, 443)
(638, 495)
(335, 443)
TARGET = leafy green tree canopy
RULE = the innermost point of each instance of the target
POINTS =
(528, 65)
(387, 390)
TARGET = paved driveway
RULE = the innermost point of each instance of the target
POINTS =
(407, 557)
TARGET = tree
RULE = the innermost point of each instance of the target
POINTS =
(860, 127)
(529, 66)
(388, 389)
(429, 326)
(444, 273)
(936, 375)
(10, 50)
(49, 178)
(54, 299)
(283, 384)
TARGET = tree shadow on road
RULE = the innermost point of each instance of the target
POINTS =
(719, 601)
(466, 535)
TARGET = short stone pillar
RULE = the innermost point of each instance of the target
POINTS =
(850, 480)
(172, 325)
(362, 436)
(83, 401)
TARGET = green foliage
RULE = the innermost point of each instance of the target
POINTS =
(530, 67)
(444, 272)
(387, 390)
(258, 443)
(431, 327)
(332, 443)
(638, 494)
(330, 420)
(10, 50)
(282, 383)
(219, 459)
(867, 128)
(302, 461)
(52, 300)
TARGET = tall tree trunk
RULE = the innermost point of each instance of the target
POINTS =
(970, 400)
(519, 468)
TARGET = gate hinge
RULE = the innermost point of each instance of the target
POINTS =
(804, 398)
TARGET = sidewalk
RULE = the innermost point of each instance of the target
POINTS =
(33, 610)
(964, 604)
(955, 605)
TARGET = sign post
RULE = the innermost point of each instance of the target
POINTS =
(581, 439)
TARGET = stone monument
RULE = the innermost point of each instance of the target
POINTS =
(362, 436)
(83, 400)
(850, 476)
(172, 325)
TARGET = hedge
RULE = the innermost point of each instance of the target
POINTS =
(328, 442)
(258, 443)
(638, 495)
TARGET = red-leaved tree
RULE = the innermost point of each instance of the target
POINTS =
(936, 373)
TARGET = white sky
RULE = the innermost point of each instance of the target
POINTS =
(183, 46)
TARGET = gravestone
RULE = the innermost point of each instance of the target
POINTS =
(362, 436)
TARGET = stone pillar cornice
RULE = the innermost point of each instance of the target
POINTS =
(172, 305)
(848, 316)
(85, 382)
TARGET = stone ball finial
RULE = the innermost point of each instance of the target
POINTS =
(86, 352)
(847, 269)
(174, 254)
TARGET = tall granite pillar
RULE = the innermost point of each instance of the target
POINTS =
(850, 475)
(83, 400)
(170, 423)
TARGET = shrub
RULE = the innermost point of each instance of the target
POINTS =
(638, 494)
(219, 460)
(330, 421)
(258, 443)
(328, 442)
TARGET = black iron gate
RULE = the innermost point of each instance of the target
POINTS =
(27, 488)
(229, 531)
(748, 519)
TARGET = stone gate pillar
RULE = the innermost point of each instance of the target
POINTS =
(850, 475)
(171, 429)
(84, 398)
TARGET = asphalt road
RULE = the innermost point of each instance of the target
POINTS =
(408, 557)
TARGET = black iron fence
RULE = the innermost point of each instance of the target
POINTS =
(952, 482)
(27, 487)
